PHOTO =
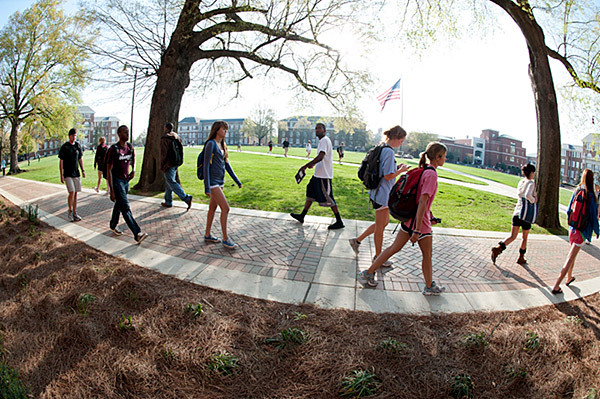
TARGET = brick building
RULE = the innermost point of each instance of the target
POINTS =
(571, 162)
(106, 126)
(489, 149)
(195, 131)
(300, 129)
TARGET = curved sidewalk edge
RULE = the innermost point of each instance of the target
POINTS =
(324, 291)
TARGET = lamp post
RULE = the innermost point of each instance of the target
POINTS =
(135, 73)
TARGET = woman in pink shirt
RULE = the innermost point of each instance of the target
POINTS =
(420, 230)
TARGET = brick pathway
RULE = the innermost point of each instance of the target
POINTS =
(281, 248)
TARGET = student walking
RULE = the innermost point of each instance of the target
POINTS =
(583, 223)
(388, 171)
(100, 161)
(286, 147)
(270, 146)
(3, 167)
(70, 155)
(171, 157)
(525, 189)
(319, 188)
(120, 156)
(308, 149)
(420, 231)
(340, 151)
(215, 163)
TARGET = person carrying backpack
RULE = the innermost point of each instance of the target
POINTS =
(171, 157)
(388, 171)
(583, 223)
(420, 226)
(525, 189)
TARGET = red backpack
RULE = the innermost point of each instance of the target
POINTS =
(578, 212)
(403, 201)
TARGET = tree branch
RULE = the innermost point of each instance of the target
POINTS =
(578, 81)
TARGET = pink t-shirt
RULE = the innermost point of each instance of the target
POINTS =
(427, 185)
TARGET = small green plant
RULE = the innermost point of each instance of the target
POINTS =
(168, 354)
(195, 310)
(360, 384)
(37, 256)
(516, 372)
(23, 280)
(83, 303)
(461, 387)
(132, 296)
(300, 316)
(591, 393)
(476, 341)
(289, 337)
(573, 320)
(32, 213)
(224, 363)
(125, 324)
(10, 384)
(32, 231)
(532, 341)
(391, 345)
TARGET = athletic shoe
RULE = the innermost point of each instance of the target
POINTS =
(336, 225)
(96, 189)
(387, 263)
(298, 217)
(164, 204)
(210, 238)
(228, 243)
(70, 216)
(117, 231)
(433, 290)
(76, 217)
(354, 244)
(365, 278)
(141, 237)
(189, 202)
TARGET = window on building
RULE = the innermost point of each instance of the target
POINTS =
(512, 159)
(479, 145)
(513, 148)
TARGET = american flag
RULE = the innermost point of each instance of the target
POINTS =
(393, 93)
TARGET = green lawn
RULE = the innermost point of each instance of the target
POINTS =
(269, 185)
(504, 178)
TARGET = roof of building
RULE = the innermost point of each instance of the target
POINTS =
(506, 136)
(196, 120)
(106, 119)
(190, 119)
(592, 137)
(84, 108)
(572, 147)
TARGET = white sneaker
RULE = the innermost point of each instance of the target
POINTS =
(76, 217)
(354, 244)
(387, 263)
(70, 216)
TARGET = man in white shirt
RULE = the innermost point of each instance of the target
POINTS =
(319, 188)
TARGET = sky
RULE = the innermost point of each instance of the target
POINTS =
(454, 89)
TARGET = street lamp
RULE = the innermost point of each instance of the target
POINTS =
(135, 72)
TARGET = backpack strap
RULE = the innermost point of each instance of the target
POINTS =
(426, 167)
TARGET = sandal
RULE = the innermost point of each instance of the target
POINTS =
(571, 280)
(557, 292)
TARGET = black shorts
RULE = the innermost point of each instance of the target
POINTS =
(375, 204)
(410, 231)
(320, 190)
(521, 223)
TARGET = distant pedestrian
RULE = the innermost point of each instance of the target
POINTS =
(388, 171)
(70, 155)
(119, 158)
(319, 188)
(37, 154)
(340, 151)
(525, 189)
(308, 149)
(216, 162)
(577, 236)
(420, 231)
(171, 157)
(3, 167)
(286, 147)
(100, 161)
(270, 146)
(239, 147)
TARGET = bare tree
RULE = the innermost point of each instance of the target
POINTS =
(574, 28)
(260, 124)
(229, 39)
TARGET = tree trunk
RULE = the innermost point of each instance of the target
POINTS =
(173, 79)
(546, 107)
(14, 148)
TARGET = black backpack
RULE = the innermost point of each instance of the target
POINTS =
(175, 153)
(368, 172)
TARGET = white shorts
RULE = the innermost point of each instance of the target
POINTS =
(73, 184)
(218, 185)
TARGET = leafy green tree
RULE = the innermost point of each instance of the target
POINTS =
(260, 124)
(417, 142)
(41, 69)
(224, 41)
(573, 30)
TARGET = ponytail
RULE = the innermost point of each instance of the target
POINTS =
(433, 150)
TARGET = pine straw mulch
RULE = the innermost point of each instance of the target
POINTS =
(60, 352)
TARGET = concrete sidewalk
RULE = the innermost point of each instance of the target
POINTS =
(282, 260)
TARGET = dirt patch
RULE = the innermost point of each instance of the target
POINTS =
(78, 323)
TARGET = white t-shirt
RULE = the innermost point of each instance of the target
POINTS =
(308, 147)
(525, 189)
(324, 169)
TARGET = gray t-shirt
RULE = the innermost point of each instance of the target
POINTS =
(387, 165)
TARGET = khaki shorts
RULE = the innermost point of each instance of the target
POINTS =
(73, 184)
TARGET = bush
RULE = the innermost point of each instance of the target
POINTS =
(11, 386)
